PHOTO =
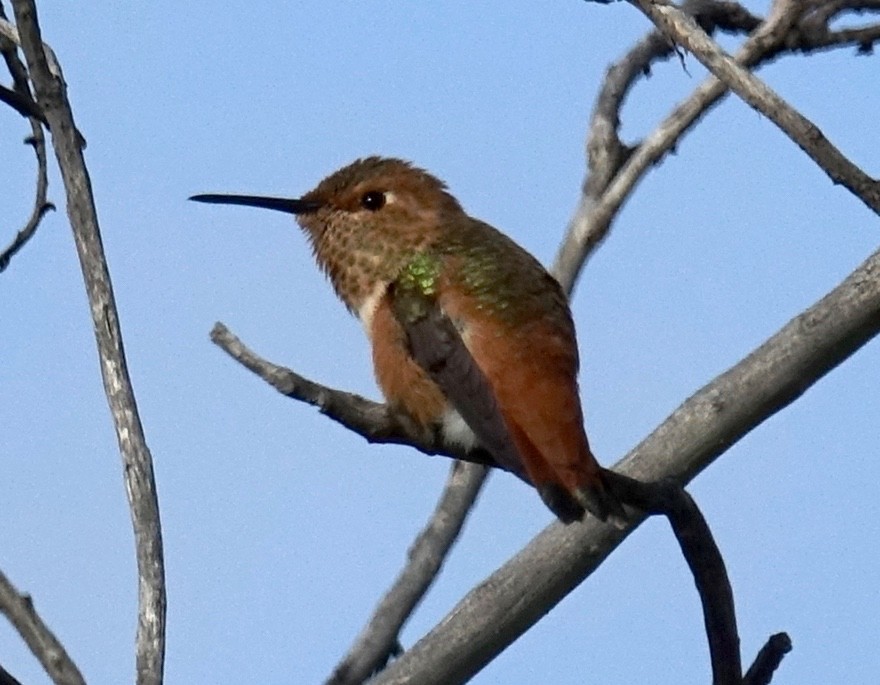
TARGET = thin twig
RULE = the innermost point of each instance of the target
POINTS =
(668, 498)
(20, 611)
(21, 104)
(756, 93)
(137, 461)
(375, 422)
(614, 176)
(37, 140)
(6, 678)
(768, 660)
(376, 641)
(605, 151)
(27, 232)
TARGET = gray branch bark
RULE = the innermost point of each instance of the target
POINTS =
(518, 594)
(682, 28)
(20, 611)
(37, 139)
(377, 640)
(615, 170)
(555, 562)
(49, 89)
(611, 163)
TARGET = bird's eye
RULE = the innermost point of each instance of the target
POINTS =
(373, 200)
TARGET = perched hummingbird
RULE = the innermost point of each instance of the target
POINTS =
(470, 334)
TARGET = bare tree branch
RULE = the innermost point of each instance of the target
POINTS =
(41, 208)
(376, 641)
(615, 169)
(6, 678)
(10, 32)
(704, 559)
(21, 104)
(528, 586)
(525, 588)
(606, 153)
(711, 14)
(138, 468)
(823, 11)
(19, 609)
(701, 553)
(37, 140)
(377, 423)
(756, 93)
(379, 637)
(768, 660)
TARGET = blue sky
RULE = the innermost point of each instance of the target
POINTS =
(281, 529)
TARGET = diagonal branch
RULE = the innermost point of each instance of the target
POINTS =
(6, 678)
(41, 207)
(20, 611)
(704, 559)
(668, 498)
(606, 153)
(37, 139)
(377, 640)
(556, 561)
(375, 422)
(138, 465)
(525, 588)
(768, 660)
(10, 32)
(756, 93)
(21, 104)
(615, 170)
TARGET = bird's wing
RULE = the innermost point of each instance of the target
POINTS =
(437, 347)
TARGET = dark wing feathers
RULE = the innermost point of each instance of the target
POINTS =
(437, 347)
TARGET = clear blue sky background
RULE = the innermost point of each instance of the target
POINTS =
(282, 529)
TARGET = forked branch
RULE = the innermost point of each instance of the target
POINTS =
(511, 600)
(50, 95)
(21, 99)
(615, 168)
(840, 169)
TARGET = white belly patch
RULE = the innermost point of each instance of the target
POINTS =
(456, 431)
(368, 307)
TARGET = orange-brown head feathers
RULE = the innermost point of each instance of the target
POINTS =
(407, 188)
(371, 216)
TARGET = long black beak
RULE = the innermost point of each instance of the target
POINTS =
(279, 204)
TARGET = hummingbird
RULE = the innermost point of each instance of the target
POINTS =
(470, 334)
